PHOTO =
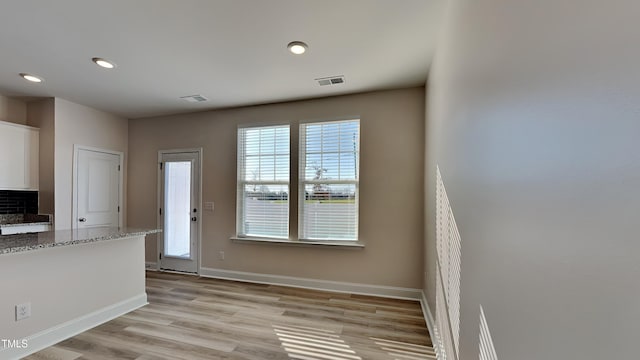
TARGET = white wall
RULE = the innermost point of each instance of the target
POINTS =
(534, 122)
(82, 125)
(66, 284)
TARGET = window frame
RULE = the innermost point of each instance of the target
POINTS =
(302, 182)
(241, 182)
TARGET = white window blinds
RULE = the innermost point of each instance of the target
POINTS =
(329, 176)
(263, 181)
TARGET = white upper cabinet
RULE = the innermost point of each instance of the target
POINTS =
(19, 155)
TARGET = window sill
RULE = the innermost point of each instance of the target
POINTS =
(311, 243)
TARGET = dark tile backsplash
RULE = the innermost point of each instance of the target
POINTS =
(18, 202)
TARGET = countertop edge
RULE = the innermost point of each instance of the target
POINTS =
(26, 224)
(90, 239)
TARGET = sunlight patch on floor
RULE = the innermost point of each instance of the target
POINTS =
(305, 343)
(402, 350)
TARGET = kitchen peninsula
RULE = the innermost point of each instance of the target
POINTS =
(72, 280)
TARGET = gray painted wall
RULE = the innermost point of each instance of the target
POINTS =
(533, 118)
(13, 110)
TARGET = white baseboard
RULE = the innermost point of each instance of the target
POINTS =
(336, 286)
(428, 318)
(150, 265)
(53, 335)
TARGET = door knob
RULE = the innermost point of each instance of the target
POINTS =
(82, 219)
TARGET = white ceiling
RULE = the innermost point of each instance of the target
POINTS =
(231, 51)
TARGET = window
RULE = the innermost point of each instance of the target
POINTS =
(329, 167)
(328, 181)
(263, 182)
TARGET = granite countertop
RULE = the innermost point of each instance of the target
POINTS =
(9, 220)
(26, 224)
(47, 239)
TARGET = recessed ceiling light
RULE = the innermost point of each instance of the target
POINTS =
(103, 63)
(297, 47)
(31, 78)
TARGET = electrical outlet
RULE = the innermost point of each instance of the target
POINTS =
(221, 255)
(23, 311)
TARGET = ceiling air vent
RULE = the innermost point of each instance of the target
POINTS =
(331, 80)
(194, 98)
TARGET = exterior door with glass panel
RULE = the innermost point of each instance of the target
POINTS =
(179, 212)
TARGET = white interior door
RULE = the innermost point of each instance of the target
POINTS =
(97, 188)
(179, 210)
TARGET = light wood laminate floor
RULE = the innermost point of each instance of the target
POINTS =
(195, 318)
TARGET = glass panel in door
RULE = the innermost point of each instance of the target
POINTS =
(177, 205)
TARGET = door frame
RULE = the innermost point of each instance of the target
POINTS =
(159, 217)
(74, 182)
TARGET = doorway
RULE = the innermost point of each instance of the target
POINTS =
(97, 188)
(179, 179)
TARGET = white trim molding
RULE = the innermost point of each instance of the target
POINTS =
(55, 334)
(327, 285)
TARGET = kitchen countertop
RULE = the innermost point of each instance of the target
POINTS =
(9, 220)
(26, 223)
(33, 241)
